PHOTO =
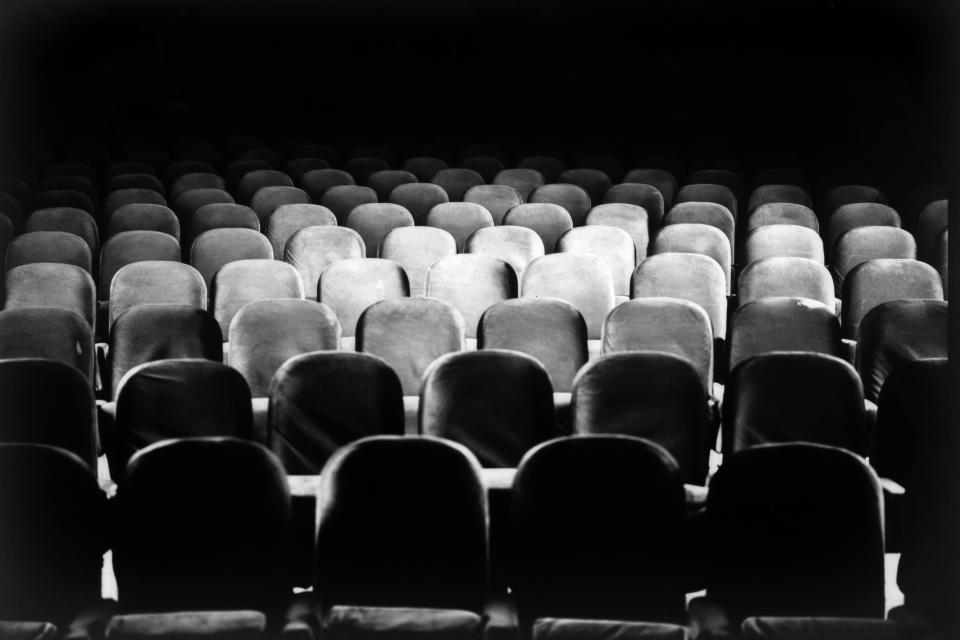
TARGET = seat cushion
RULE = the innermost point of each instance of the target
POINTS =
(570, 629)
(389, 623)
(199, 625)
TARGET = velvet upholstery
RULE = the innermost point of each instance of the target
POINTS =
(782, 324)
(195, 180)
(782, 213)
(48, 402)
(456, 182)
(143, 217)
(867, 243)
(160, 331)
(121, 197)
(630, 218)
(221, 215)
(726, 177)
(694, 237)
(287, 219)
(296, 167)
(783, 240)
(550, 330)
(855, 215)
(715, 193)
(662, 181)
(778, 194)
(47, 284)
(268, 199)
(322, 401)
(472, 283)
(409, 334)
(495, 198)
(349, 286)
(785, 277)
(499, 404)
(187, 203)
(70, 183)
(14, 630)
(409, 542)
(709, 213)
(579, 629)
(844, 194)
(216, 248)
(574, 199)
(772, 628)
(874, 282)
(547, 166)
(253, 181)
(612, 245)
(594, 181)
(385, 181)
(654, 395)
(50, 198)
(418, 198)
(524, 180)
(49, 246)
(243, 281)
(487, 166)
(235, 170)
(689, 276)
(549, 221)
(373, 221)
(896, 333)
(75, 221)
(580, 279)
(423, 167)
(795, 530)
(459, 219)
(362, 167)
(188, 625)
(52, 558)
(515, 245)
(668, 325)
(317, 181)
(51, 333)
(601, 544)
(313, 249)
(401, 623)
(416, 249)
(128, 247)
(157, 281)
(204, 524)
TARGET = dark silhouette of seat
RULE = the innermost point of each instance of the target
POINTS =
(456, 182)
(50, 333)
(49, 246)
(317, 181)
(75, 221)
(143, 217)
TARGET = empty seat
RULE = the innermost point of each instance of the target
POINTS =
(312, 249)
(237, 169)
(524, 180)
(782, 324)
(894, 334)
(53, 556)
(471, 283)
(418, 198)
(697, 238)
(47, 401)
(318, 181)
(853, 216)
(778, 194)
(186, 204)
(786, 277)
(783, 240)
(844, 194)
(515, 245)
(782, 213)
(552, 331)
(384, 182)
(932, 223)
(48, 284)
(268, 199)
(709, 213)
(570, 628)
(608, 164)
(547, 166)
(50, 333)
(594, 181)
(159, 331)
(373, 221)
(725, 177)
(822, 628)
(287, 219)
(795, 530)
(183, 167)
(653, 395)
(416, 249)
(549, 221)
(570, 197)
(216, 248)
(456, 182)
(320, 402)
(54, 198)
(349, 286)
(160, 401)
(131, 180)
(867, 243)
(601, 543)
(49, 246)
(495, 198)
(409, 542)
(121, 197)
(716, 193)
(630, 218)
(612, 245)
(195, 180)
(128, 247)
(640, 195)
(296, 167)
(75, 221)
(204, 525)
(794, 397)
(874, 282)
(266, 333)
(242, 281)
(423, 167)
(221, 215)
(143, 217)
(487, 166)
(669, 325)
(361, 167)
(253, 181)
(460, 219)
(499, 404)
(689, 276)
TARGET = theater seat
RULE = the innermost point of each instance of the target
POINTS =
(472, 283)
(313, 249)
(416, 249)
(188, 625)
(579, 629)
(418, 199)
(822, 629)
(49, 333)
(515, 245)
(47, 284)
(401, 623)
(349, 286)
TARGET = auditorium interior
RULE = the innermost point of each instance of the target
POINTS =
(478, 319)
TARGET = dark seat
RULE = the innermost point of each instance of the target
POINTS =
(418, 198)
(571, 197)
(47, 284)
(49, 246)
(50, 333)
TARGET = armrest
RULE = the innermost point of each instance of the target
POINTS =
(502, 622)
(91, 624)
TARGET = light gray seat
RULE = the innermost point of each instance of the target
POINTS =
(349, 286)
